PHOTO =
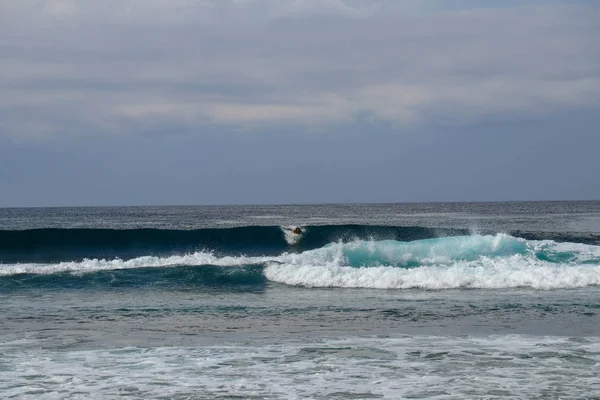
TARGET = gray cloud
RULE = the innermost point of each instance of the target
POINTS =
(86, 66)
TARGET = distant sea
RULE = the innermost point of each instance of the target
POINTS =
(390, 301)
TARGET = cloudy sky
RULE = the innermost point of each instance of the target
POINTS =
(143, 102)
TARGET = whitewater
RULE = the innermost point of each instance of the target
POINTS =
(433, 301)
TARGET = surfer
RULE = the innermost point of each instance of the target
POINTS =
(297, 231)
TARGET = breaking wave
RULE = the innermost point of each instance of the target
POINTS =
(477, 261)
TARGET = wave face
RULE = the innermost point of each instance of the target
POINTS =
(477, 261)
(52, 245)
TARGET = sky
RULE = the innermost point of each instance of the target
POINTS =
(168, 102)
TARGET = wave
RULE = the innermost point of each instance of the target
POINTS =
(478, 261)
(52, 245)
(56, 245)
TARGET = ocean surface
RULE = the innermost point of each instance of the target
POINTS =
(388, 301)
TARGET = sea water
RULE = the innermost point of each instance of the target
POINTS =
(439, 301)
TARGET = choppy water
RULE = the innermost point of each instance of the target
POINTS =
(436, 301)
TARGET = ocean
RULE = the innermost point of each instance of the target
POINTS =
(370, 301)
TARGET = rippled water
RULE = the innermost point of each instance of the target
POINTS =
(494, 316)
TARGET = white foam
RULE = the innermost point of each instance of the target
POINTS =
(503, 366)
(515, 271)
(290, 237)
(94, 265)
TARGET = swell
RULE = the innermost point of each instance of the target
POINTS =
(55, 245)
(180, 277)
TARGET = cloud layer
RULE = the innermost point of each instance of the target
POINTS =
(116, 67)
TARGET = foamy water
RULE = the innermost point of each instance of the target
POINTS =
(429, 367)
